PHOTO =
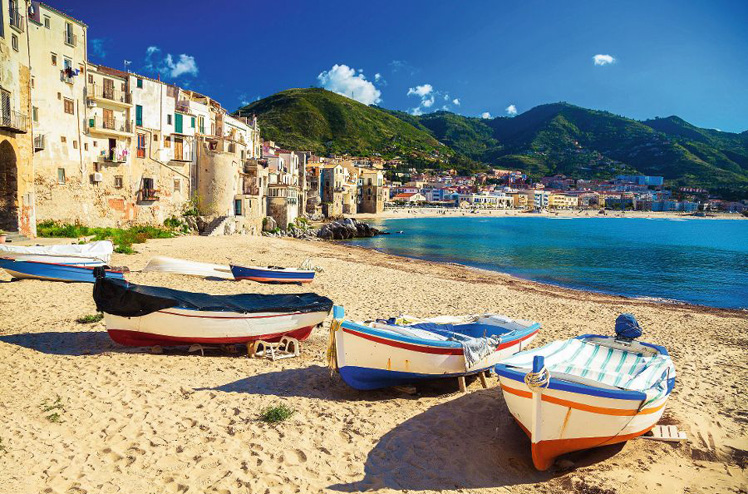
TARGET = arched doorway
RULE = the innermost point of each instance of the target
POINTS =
(8, 187)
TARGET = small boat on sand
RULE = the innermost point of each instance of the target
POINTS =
(71, 273)
(164, 264)
(588, 391)
(138, 315)
(406, 350)
(90, 254)
(272, 274)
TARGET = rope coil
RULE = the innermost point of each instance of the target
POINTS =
(538, 379)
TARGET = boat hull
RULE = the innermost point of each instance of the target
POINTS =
(368, 359)
(52, 271)
(163, 264)
(575, 421)
(176, 326)
(269, 275)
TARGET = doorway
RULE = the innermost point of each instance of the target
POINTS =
(8, 187)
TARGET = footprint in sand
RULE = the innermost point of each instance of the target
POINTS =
(293, 458)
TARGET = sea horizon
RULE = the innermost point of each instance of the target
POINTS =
(575, 253)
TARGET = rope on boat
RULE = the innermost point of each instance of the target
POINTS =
(332, 349)
(538, 379)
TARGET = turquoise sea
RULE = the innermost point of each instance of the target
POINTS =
(697, 261)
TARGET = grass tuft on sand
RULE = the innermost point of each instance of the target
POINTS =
(90, 318)
(277, 413)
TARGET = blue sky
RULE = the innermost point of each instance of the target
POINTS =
(657, 58)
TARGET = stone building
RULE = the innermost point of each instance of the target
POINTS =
(372, 191)
(17, 199)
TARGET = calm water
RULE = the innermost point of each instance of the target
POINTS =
(697, 261)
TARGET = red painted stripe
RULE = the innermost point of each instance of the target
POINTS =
(234, 317)
(407, 346)
(274, 280)
(138, 338)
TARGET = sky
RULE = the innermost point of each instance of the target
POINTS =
(639, 59)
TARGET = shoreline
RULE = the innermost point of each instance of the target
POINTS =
(556, 289)
(415, 212)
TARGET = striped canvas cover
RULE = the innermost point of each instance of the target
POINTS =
(629, 370)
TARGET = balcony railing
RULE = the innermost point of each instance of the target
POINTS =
(16, 20)
(106, 93)
(148, 194)
(186, 155)
(112, 124)
(183, 106)
(14, 121)
(70, 38)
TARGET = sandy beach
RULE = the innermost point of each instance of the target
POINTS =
(85, 415)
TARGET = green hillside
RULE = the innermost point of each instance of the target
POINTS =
(327, 123)
(548, 139)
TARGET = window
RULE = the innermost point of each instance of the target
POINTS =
(96, 144)
(69, 106)
(54, 59)
(63, 139)
(46, 21)
(85, 146)
(118, 181)
(90, 78)
(59, 95)
(141, 145)
(155, 137)
(61, 176)
(75, 144)
(14, 41)
(193, 122)
(168, 119)
(139, 115)
(167, 142)
(177, 185)
(32, 81)
(140, 83)
(35, 113)
(67, 63)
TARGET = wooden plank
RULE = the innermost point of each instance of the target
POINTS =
(461, 383)
(483, 382)
(668, 433)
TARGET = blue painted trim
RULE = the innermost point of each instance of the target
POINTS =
(55, 272)
(364, 378)
(398, 337)
(338, 312)
(561, 385)
(516, 335)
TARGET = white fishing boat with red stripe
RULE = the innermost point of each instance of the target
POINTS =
(407, 350)
(588, 391)
(137, 315)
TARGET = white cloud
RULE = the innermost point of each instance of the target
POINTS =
(603, 59)
(456, 101)
(97, 47)
(377, 76)
(485, 114)
(344, 80)
(166, 66)
(511, 110)
(421, 91)
(402, 66)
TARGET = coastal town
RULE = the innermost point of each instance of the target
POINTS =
(84, 143)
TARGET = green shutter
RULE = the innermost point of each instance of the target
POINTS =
(193, 122)
(138, 115)
(178, 123)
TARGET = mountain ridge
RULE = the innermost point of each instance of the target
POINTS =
(547, 139)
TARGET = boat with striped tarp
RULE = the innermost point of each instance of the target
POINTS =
(405, 350)
(588, 391)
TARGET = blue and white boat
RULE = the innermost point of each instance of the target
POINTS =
(52, 271)
(91, 254)
(406, 350)
(272, 274)
(588, 391)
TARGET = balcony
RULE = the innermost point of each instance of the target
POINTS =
(70, 39)
(182, 106)
(16, 20)
(109, 95)
(14, 122)
(112, 156)
(117, 127)
(185, 156)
